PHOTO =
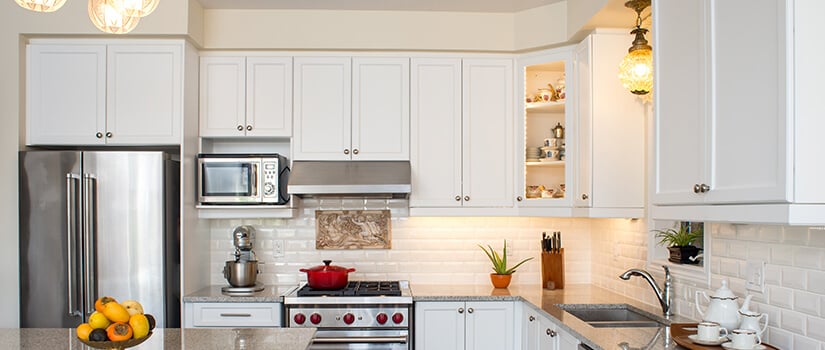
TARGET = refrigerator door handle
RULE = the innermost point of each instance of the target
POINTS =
(71, 240)
(90, 239)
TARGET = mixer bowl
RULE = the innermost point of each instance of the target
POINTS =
(241, 273)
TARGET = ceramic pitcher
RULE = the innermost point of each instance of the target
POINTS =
(722, 307)
(750, 319)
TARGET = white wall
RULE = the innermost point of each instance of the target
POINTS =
(424, 250)
(795, 293)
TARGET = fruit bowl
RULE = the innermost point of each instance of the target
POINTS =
(116, 345)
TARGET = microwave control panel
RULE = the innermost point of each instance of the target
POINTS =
(270, 179)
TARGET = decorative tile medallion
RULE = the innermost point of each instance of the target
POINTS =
(352, 229)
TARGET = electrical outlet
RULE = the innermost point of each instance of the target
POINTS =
(755, 276)
(278, 248)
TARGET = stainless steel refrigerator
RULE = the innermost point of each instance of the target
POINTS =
(98, 223)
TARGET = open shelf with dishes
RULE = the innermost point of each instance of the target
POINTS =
(546, 170)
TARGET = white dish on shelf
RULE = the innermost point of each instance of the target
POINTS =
(695, 338)
(729, 346)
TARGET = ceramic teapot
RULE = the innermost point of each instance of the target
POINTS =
(722, 307)
(750, 319)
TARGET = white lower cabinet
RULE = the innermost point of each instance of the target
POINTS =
(460, 325)
(230, 315)
(540, 333)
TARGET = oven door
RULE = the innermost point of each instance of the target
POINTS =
(229, 180)
(361, 339)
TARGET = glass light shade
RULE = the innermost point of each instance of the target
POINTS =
(110, 16)
(41, 5)
(636, 71)
(140, 8)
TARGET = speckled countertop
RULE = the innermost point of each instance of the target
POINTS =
(167, 339)
(212, 294)
(546, 300)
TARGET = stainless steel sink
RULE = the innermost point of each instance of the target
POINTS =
(610, 315)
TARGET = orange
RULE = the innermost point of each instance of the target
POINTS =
(83, 331)
(116, 312)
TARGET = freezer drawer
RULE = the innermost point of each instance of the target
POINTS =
(235, 314)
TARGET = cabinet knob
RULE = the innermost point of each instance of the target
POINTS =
(519, 199)
(704, 188)
(461, 310)
(346, 150)
(249, 127)
(354, 151)
(696, 188)
(585, 196)
(532, 318)
(109, 134)
(240, 127)
(466, 198)
(470, 310)
(458, 198)
(99, 135)
(550, 332)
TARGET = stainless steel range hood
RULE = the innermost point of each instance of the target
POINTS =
(352, 179)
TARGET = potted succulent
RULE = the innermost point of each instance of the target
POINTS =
(501, 275)
(680, 242)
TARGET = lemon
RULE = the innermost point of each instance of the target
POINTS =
(98, 321)
(140, 325)
(83, 331)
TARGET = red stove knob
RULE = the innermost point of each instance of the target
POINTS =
(349, 318)
(381, 318)
(398, 317)
(299, 318)
(315, 318)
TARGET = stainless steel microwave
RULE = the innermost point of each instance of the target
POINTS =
(242, 179)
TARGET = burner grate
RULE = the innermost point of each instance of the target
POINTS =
(356, 288)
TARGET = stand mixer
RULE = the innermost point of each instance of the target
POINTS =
(242, 272)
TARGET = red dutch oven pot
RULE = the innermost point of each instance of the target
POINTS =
(327, 276)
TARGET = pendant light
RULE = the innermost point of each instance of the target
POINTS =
(41, 5)
(636, 69)
(110, 16)
(140, 8)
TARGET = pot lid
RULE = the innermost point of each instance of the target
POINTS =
(326, 267)
(724, 292)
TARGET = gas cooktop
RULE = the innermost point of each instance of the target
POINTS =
(356, 288)
(356, 292)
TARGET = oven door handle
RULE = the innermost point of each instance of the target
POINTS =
(400, 339)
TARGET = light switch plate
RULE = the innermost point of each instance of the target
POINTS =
(755, 276)
(278, 248)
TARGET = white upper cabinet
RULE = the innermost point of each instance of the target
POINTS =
(246, 96)
(610, 143)
(462, 135)
(95, 94)
(351, 108)
(735, 111)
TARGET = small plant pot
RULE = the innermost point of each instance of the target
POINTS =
(500, 281)
(682, 254)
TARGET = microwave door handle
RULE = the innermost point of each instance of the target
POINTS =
(255, 180)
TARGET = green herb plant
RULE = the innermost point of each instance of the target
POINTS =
(678, 238)
(500, 261)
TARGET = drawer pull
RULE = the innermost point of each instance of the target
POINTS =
(236, 315)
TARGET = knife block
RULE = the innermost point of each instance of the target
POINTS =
(552, 269)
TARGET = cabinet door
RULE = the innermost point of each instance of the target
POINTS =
(489, 325)
(435, 155)
(749, 120)
(487, 137)
(144, 94)
(584, 106)
(269, 96)
(548, 335)
(222, 94)
(567, 341)
(322, 115)
(530, 333)
(66, 94)
(381, 109)
(439, 326)
(681, 97)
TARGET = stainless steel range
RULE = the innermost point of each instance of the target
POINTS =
(364, 315)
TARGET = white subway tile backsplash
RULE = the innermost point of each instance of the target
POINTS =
(800, 342)
(723, 230)
(816, 328)
(770, 234)
(795, 235)
(794, 278)
(773, 275)
(808, 257)
(729, 267)
(816, 282)
(782, 255)
(780, 338)
(747, 232)
(794, 321)
(806, 303)
(816, 237)
(781, 297)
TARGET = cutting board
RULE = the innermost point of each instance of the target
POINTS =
(681, 331)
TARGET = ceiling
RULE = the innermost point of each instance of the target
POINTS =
(382, 5)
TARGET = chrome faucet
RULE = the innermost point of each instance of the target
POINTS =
(665, 296)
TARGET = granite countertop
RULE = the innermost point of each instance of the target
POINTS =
(545, 301)
(168, 339)
(272, 293)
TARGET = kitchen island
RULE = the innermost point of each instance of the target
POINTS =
(167, 339)
(546, 301)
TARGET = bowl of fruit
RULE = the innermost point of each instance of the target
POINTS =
(116, 325)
